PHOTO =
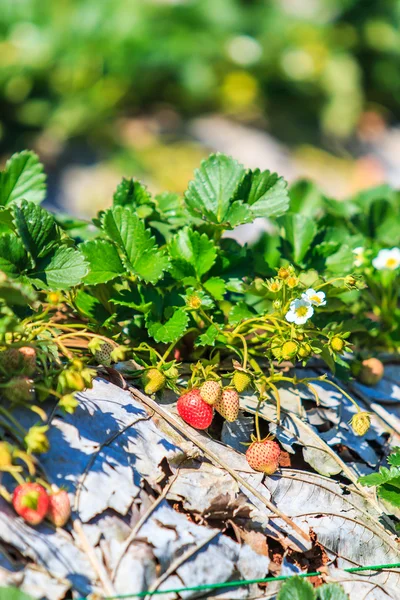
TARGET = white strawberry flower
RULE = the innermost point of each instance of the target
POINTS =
(300, 311)
(313, 297)
(387, 259)
(359, 257)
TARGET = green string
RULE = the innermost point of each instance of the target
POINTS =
(242, 582)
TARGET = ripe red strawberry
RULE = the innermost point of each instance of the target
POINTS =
(241, 380)
(30, 501)
(264, 456)
(210, 391)
(59, 510)
(228, 405)
(194, 410)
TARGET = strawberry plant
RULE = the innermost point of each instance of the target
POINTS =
(387, 481)
(158, 292)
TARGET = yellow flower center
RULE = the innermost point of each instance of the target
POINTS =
(391, 263)
(301, 311)
(316, 299)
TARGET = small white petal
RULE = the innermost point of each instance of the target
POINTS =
(387, 259)
(313, 297)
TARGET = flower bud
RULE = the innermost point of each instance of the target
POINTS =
(68, 403)
(292, 281)
(285, 272)
(36, 440)
(361, 422)
(274, 285)
(337, 344)
(277, 304)
(304, 350)
(194, 301)
(5, 455)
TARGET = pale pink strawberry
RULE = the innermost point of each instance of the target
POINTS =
(59, 510)
(228, 405)
(264, 456)
(210, 391)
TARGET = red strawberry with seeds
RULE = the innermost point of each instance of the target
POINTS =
(264, 456)
(59, 510)
(31, 502)
(228, 405)
(194, 411)
(210, 391)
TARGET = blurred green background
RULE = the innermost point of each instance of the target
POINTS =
(101, 88)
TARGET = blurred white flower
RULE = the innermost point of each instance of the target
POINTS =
(314, 298)
(244, 50)
(359, 256)
(300, 311)
(387, 259)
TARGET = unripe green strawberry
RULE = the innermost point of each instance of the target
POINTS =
(289, 350)
(14, 360)
(361, 422)
(337, 343)
(304, 350)
(102, 354)
(59, 510)
(241, 381)
(210, 391)
(30, 501)
(371, 372)
(228, 405)
(19, 390)
(153, 381)
(194, 411)
(264, 456)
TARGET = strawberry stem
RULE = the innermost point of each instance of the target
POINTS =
(257, 421)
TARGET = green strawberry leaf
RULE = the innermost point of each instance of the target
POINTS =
(210, 195)
(170, 331)
(141, 255)
(36, 227)
(331, 591)
(63, 268)
(238, 213)
(22, 178)
(131, 192)
(13, 257)
(239, 313)
(268, 195)
(103, 260)
(17, 294)
(297, 233)
(394, 458)
(216, 287)
(12, 593)
(390, 491)
(209, 337)
(191, 253)
(91, 307)
(296, 588)
(383, 476)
